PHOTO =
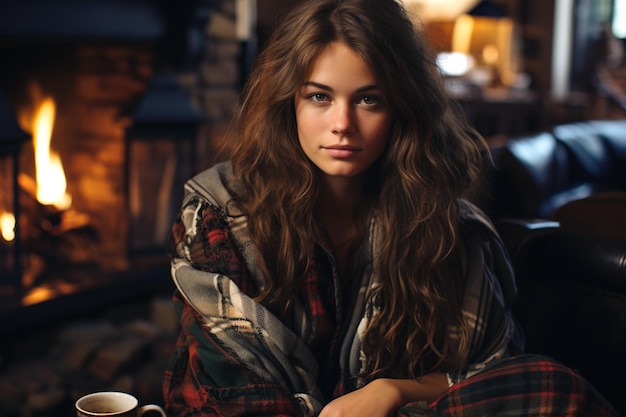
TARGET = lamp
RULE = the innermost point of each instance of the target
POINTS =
(487, 35)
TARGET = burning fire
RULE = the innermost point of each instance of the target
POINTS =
(7, 226)
(50, 185)
(51, 182)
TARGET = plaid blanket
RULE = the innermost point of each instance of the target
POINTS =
(520, 386)
(234, 357)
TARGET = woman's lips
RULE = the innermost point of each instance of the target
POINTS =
(341, 151)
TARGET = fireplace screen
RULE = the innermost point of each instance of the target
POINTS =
(11, 139)
(7, 214)
(9, 265)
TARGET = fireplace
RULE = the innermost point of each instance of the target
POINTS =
(110, 138)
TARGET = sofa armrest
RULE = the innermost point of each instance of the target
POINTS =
(544, 249)
(515, 232)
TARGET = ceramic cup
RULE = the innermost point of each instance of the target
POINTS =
(112, 404)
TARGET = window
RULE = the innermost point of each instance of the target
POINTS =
(619, 18)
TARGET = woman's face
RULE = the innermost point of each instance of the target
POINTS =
(343, 122)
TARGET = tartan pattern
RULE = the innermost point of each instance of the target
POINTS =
(234, 358)
(227, 389)
(520, 386)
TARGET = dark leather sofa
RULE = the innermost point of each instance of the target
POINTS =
(558, 199)
(538, 173)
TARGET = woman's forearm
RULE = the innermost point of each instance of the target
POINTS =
(382, 397)
(405, 391)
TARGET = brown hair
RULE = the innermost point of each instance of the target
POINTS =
(431, 160)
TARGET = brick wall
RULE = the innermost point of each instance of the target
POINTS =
(213, 87)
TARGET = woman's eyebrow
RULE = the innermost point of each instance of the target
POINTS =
(328, 88)
(317, 85)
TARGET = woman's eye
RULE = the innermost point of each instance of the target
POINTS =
(370, 100)
(318, 97)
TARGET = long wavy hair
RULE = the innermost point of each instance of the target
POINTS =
(432, 158)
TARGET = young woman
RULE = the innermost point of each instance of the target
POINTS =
(333, 266)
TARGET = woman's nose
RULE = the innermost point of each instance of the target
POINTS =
(342, 122)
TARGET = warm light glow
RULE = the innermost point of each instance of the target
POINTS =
(438, 10)
(7, 226)
(462, 34)
(51, 182)
(491, 41)
(490, 54)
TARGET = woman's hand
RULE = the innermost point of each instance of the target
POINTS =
(376, 399)
(382, 397)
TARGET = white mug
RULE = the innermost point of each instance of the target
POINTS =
(113, 404)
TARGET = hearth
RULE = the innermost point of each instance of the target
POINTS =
(108, 140)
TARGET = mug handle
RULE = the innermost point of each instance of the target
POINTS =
(150, 407)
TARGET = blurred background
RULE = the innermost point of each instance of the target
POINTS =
(108, 106)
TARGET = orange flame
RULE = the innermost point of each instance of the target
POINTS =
(7, 226)
(51, 181)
